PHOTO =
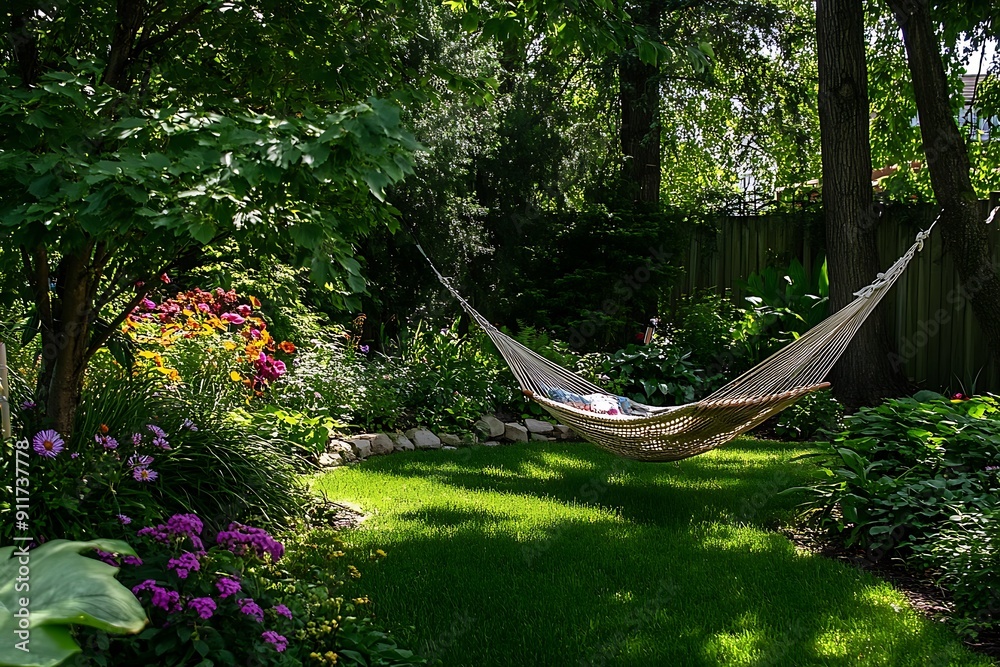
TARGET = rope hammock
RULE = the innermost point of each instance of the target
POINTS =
(678, 432)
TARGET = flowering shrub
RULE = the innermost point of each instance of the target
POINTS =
(208, 597)
(248, 352)
(234, 597)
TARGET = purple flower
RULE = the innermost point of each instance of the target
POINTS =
(189, 425)
(156, 430)
(272, 637)
(145, 475)
(179, 525)
(269, 368)
(162, 598)
(137, 439)
(282, 610)
(139, 461)
(184, 565)
(47, 443)
(28, 405)
(74, 455)
(204, 607)
(240, 539)
(161, 443)
(364, 349)
(227, 586)
(251, 609)
(106, 557)
(132, 560)
(106, 441)
(148, 304)
(126, 520)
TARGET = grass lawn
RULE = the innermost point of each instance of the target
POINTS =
(561, 554)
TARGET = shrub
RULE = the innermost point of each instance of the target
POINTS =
(145, 451)
(810, 415)
(437, 379)
(899, 470)
(657, 374)
(918, 479)
(238, 596)
(966, 552)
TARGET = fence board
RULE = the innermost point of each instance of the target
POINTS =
(941, 346)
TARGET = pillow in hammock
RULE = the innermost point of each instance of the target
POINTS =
(603, 404)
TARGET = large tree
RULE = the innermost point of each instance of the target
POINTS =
(863, 375)
(134, 133)
(963, 227)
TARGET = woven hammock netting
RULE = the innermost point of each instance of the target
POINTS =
(678, 432)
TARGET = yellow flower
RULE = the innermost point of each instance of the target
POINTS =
(234, 376)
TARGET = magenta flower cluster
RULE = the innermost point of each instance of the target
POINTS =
(183, 566)
(162, 598)
(176, 528)
(240, 539)
(268, 368)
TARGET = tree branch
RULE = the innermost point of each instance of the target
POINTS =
(159, 38)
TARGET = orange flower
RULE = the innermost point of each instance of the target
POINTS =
(104, 429)
(287, 347)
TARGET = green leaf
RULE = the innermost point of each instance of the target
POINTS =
(65, 588)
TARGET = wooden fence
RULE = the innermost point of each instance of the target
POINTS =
(940, 345)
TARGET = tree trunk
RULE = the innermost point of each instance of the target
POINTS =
(963, 228)
(639, 100)
(864, 375)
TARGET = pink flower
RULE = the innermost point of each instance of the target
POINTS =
(244, 310)
(232, 318)
(204, 307)
(164, 278)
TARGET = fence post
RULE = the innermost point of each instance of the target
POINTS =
(4, 393)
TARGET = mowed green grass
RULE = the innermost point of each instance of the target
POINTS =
(561, 554)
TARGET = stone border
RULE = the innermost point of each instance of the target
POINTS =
(490, 432)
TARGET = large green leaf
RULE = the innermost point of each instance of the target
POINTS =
(62, 587)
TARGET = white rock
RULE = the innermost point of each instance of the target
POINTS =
(381, 444)
(538, 437)
(537, 426)
(343, 448)
(402, 443)
(423, 439)
(490, 426)
(449, 448)
(328, 460)
(491, 443)
(515, 432)
(362, 448)
(450, 440)
(564, 432)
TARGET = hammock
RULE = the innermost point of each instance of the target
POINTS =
(678, 432)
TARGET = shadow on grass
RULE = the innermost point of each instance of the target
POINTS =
(741, 483)
(563, 555)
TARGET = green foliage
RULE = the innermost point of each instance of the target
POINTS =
(657, 374)
(966, 553)
(914, 477)
(436, 379)
(63, 588)
(788, 301)
(809, 416)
